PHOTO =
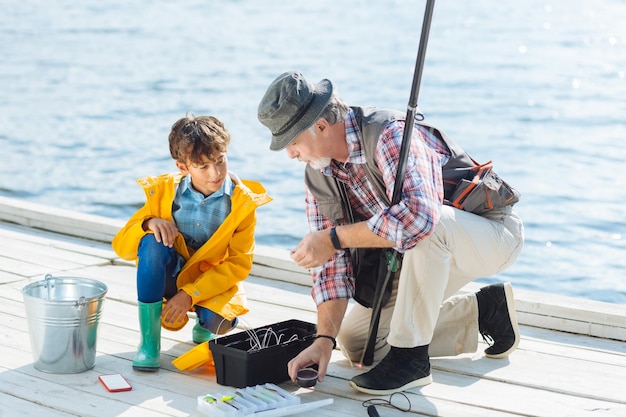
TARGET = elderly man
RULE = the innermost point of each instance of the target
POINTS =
(352, 158)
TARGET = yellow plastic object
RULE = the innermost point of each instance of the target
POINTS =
(194, 358)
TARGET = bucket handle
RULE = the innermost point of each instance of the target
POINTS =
(49, 283)
(80, 303)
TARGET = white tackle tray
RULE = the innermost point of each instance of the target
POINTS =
(266, 400)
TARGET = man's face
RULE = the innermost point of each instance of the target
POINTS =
(306, 148)
(207, 175)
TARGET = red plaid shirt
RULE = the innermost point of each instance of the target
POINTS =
(405, 223)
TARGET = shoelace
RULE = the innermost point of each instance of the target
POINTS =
(487, 338)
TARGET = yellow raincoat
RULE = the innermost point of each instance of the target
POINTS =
(212, 275)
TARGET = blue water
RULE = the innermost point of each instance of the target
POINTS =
(89, 90)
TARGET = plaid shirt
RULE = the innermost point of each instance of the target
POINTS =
(406, 223)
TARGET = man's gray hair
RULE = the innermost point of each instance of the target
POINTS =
(335, 111)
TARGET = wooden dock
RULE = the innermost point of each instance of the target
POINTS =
(571, 360)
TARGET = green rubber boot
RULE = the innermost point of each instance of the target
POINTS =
(148, 356)
(199, 334)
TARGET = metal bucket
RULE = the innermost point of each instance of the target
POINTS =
(63, 315)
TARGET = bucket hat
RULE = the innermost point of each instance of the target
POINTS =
(291, 105)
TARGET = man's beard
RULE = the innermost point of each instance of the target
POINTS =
(320, 163)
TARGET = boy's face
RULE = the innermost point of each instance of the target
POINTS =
(208, 175)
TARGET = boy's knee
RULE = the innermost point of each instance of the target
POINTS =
(214, 322)
(149, 245)
(148, 240)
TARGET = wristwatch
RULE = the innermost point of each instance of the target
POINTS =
(334, 239)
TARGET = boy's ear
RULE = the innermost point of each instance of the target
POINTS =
(182, 167)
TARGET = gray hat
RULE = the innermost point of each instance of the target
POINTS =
(291, 105)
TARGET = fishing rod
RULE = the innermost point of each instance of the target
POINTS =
(390, 256)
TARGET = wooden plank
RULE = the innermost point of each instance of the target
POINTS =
(29, 249)
(276, 258)
(15, 406)
(561, 374)
(9, 232)
(6, 276)
(67, 222)
(60, 392)
(521, 400)
(14, 267)
(578, 315)
(283, 293)
(45, 256)
(265, 271)
(274, 263)
(574, 326)
(572, 344)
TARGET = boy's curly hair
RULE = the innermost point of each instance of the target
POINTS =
(192, 138)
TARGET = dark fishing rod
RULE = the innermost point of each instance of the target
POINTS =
(390, 256)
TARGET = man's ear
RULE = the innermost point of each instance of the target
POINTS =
(182, 168)
(321, 125)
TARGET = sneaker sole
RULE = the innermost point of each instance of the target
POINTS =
(413, 384)
(510, 304)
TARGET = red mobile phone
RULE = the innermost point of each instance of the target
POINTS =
(115, 383)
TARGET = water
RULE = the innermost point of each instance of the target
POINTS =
(90, 89)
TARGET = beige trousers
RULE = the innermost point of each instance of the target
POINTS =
(425, 308)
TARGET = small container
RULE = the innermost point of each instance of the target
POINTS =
(241, 362)
(307, 377)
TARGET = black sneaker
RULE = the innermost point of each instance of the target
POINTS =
(497, 321)
(401, 369)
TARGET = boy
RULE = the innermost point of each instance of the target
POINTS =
(193, 240)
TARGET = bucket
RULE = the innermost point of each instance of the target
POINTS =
(63, 315)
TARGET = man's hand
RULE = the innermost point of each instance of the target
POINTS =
(318, 353)
(329, 317)
(164, 231)
(314, 250)
(176, 309)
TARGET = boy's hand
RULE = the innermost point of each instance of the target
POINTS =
(176, 308)
(164, 231)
